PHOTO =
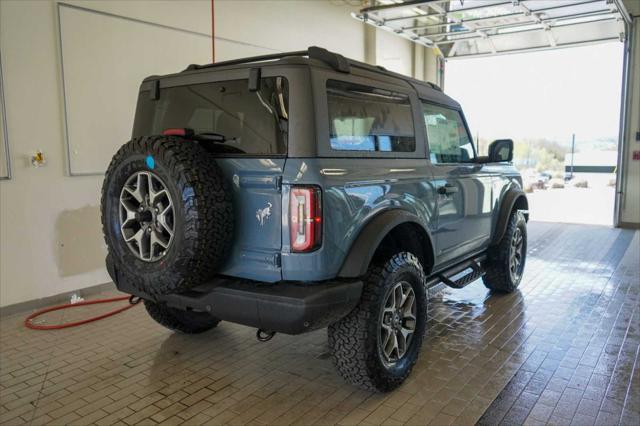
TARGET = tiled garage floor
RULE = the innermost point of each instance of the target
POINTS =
(563, 349)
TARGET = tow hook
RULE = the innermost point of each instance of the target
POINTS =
(264, 335)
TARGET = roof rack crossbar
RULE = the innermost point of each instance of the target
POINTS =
(260, 58)
(334, 60)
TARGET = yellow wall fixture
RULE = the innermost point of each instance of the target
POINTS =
(37, 159)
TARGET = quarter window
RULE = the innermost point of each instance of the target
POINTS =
(447, 135)
(364, 118)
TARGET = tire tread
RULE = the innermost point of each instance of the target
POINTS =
(497, 276)
(207, 219)
(350, 339)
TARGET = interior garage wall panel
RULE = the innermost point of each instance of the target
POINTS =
(104, 59)
(192, 15)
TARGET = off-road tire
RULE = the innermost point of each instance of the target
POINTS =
(497, 266)
(188, 322)
(354, 339)
(203, 214)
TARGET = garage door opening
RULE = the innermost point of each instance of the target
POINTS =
(547, 73)
(562, 109)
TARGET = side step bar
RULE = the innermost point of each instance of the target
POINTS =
(460, 275)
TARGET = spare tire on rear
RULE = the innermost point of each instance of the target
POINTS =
(166, 214)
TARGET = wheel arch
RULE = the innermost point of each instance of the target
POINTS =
(514, 199)
(391, 230)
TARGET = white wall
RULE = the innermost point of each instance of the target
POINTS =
(37, 206)
(50, 234)
(394, 53)
(101, 90)
(286, 25)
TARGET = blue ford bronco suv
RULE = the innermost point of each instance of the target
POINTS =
(304, 190)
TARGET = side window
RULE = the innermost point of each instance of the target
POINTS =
(447, 135)
(363, 118)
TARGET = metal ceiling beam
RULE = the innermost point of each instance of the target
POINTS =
(485, 36)
(508, 15)
(412, 36)
(424, 41)
(460, 21)
(539, 21)
(622, 10)
(534, 49)
(408, 3)
(521, 31)
(453, 49)
(454, 40)
(552, 39)
(435, 6)
(439, 15)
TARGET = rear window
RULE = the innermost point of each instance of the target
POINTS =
(252, 123)
(363, 118)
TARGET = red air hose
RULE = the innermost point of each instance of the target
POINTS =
(133, 301)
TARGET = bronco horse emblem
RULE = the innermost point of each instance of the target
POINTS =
(264, 214)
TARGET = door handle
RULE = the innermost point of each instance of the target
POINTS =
(447, 189)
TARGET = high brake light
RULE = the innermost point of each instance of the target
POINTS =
(185, 132)
(305, 218)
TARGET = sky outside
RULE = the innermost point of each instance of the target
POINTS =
(549, 94)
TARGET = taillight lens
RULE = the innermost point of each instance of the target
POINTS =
(305, 218)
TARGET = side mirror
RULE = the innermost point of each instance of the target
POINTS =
(501, 150)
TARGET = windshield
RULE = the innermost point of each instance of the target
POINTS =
(252, 123)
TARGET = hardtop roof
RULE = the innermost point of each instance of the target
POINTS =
(322, 58)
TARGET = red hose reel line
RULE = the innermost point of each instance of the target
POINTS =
(28, 322)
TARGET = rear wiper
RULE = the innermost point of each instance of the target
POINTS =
(211, 137)
(216, 142)
(191, 134)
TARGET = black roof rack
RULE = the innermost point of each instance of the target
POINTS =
(380, 68)
(334, 60)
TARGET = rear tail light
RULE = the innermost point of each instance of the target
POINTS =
(305, 218)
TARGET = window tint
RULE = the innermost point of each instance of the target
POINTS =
(447, 135)
(250, 122)
(363, 118)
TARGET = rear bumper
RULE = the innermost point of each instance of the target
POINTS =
(285, 307)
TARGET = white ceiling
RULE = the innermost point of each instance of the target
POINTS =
(464, 28)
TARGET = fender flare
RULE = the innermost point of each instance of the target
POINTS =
(371, 235)
(513, 196)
